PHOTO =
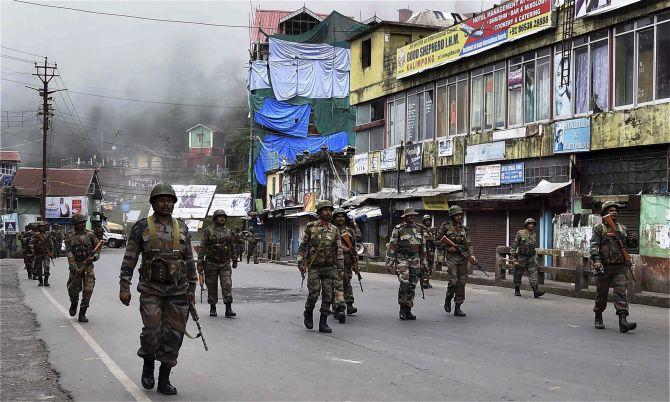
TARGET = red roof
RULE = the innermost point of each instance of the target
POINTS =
(10, 156)
(268, 20)
(60, 182)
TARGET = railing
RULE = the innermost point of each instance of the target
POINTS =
(273, 251)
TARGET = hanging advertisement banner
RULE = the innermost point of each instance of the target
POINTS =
(360, 164)
(65, 207)
(414, 157)
(309, 202)
(232, 204)
(502, 24)
(490, 151)
(572, 135)
(487, 176)
(375, 162)
(562, 89)
(445, 147)
(389, 158)
(435, 203)
(585, 8)
(192, 200)
(512, 173)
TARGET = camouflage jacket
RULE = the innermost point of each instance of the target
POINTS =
(407, 242)
(430, 235)
(41, 243)
(179, 263)
(456, 233)
(605, 248)
(218, 244)
(25, 241)
(253, 239)
(351, 236)
(523, 246)
(321, 246)
(79, 246)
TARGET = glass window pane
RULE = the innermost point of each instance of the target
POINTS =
(663, 61)
(544, 88)
(477, 93)
(429, 120)
(377, 138)
(390, 125)
(412, 117)
(645, 66)
(441, 109)
(514, 82)
(363, 114)
(362, 141)
(562, 93)
(624, 64)
(451, 98)
(400, 120)
(462, 107)
(529, 92)
(499, 98)
(581, 80)
(600, 73)
(488, 101)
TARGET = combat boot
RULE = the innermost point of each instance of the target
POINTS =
(46, 281)
(408, 314)
(82, 314)
(309, 319)
(403, 313)
(517, 290)
(323, 324)
(427, 285)
(30, 275)
(148, 379)
(624, 325)
(351, 310)
(447, 303)
(458, 312)
(73, 308)
(599, 321)
(164, 386)
(537, 292)
(212, 310)
(229, 311)
(341, 315)
(41, 282)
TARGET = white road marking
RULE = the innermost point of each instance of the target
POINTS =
(345, 360)
(111, 365)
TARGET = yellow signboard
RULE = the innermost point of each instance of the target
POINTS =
(507, 22)
(435, 203)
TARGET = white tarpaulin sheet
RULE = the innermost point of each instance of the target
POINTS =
(192, 200)
(545, 187)
(366, 212)
(233, 204)
(257, 75)
(312, 70)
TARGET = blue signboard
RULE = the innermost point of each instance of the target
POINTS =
(512, 173)
(7, 179)
(125, 207)
(572, 135)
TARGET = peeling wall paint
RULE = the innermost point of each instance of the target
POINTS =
(646, 125)
(655, 226)
(569, 237)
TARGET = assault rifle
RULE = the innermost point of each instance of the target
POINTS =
(201, 282)
(86, 260)
(346, 238)
(445, 241)
(609, 220)
(194, 315)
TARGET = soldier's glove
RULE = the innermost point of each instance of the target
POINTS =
(598, 268)
(124, 292)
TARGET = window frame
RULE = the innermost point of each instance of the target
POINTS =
(366, 53)
(522, 61)
(391, 120)
(485, 72)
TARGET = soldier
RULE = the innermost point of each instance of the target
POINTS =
(343, 282)
(610, 266)
(218, 247)
(82, 251)
(524, 258)
(457, 264)
(167, 285)
(320, 257)
(28, 255)
(98, 230)
(57, 237)
(252, 248)
(406, 257)
(239, 244)
(42, 245)
(430, 235)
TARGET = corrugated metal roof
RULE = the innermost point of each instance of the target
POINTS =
(391, 194)
(60, 182)
(10, 156)
(269, 20)
(545, 187)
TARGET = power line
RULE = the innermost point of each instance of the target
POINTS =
(18, 58)
(22, 51)
(158, 102)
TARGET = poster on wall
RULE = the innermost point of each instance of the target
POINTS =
(512, 173)
(587, 8)
(192, 200)
(572, 135)
(309, 202)
(375, 162)
(487, 176)
(490, 151)
(233, 204)
(562, 93)
(360, 163)
(65, 207)
(389, 158)
(413, 157)
(445, 147)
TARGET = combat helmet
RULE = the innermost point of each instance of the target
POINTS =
(324, 204)
(408, 212)
(41, 224)
(339, 211)
(78, 218)
(607, 204)
(529, 220)
(426, 216)
(162, 189)
(219, 212)
(455, 210)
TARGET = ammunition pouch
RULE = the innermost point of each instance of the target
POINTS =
(81, 253)
(164, 268)
(325, 256)
(610, 253)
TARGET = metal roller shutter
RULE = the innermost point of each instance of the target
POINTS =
(516, 221)
(630, 218)
(487, 230)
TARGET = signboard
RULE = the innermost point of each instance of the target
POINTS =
(375, 162)
(7, 179)
(193, 224)
(588, 8)
(502, 24)
(435, 203)
(487, 176)
(413, 157)
(562, 93)
(125, 207)
(519, 132)
(232, 204)
(360, 164)
(490, 151)
(389, 158)
(445, 147)
(192, 200)
(512, 173)
(65, 207)
(309, 202)
(133, 215)
(10, 223)
(572, 135)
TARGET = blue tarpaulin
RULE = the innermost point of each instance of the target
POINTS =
(283, 117)
(278, 148)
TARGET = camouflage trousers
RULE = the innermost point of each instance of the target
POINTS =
(41, 265)
(346, 285)
(28, 260)
(457, 274)
(615, 277)
(164, 319)
(252, 252)
(530, 267)
(408, 272)
(216, 273)
(428, 270)
(81, 281)
(328, 282)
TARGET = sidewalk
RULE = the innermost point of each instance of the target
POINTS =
(553, 287)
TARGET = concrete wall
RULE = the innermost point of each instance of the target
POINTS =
(655, 242)
(645, 125)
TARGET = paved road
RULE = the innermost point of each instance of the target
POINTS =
(507, 348)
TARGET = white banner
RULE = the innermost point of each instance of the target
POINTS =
(233, 204)
(192, 200)
(193, 224)
(445, 147)
(65, 207)
(133, 215)
(487, 176)
(389, 158)
(360, 164)
(594, 7)
(518, 132)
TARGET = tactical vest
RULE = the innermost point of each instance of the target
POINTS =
(163, 266)
(40, 243)
(456, 234)
(610, 252)
(322, 246)
(218, 246)
(80, 246)
(409, 240)
(526, 246)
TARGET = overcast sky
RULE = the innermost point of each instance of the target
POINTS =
(142, 59)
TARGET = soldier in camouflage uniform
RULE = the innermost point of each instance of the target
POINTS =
(81, 253)
(320, 257)
(430, 235)
(524, 258)
(252, 246)
(343, 282)
(610, 267)
(218, 250)
(42, 245)
(167, 285)
(57, 237)
(406, 257)
(28, 255)
(238, 238)
(457, 265)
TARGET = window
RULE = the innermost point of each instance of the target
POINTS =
(456, 105)
(370, 140)
(370, 112)
(363, 114)
(514, 80)
(488, 97)
(477, 102)
(366, 53)
(441, 110)
(395, 127)
(528, 86)
(420, 114)
(362, 141)
(449, 175)
(591, 74)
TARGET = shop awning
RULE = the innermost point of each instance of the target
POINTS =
(545, 187)
(392, 194)
(300, 214)
(366, 212)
